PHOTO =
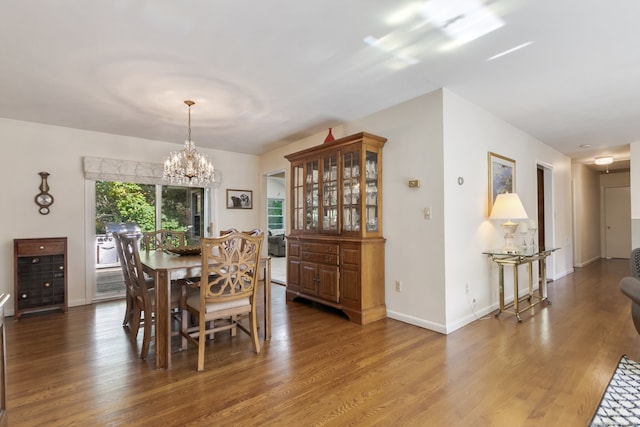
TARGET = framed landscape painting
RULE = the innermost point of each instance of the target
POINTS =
(239, 199)
(502, 177)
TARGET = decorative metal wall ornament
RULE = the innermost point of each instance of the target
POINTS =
(43, 198)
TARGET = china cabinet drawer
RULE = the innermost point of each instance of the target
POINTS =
(320, 257)
(322, 248)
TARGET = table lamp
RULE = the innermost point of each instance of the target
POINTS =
(508, 206)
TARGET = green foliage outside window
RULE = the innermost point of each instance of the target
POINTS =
(275, 217)
(128, 202)
(125, 202)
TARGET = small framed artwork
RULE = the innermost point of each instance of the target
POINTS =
(502, 177)
(239, 199)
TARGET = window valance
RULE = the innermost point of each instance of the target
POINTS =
(102, 169)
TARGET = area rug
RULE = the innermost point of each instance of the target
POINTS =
(620, 404)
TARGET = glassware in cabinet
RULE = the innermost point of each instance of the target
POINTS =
(330, 193)
(371, 191)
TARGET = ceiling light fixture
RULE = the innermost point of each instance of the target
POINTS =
(188, 167)
(604, 160)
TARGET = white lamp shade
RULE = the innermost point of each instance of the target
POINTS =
(508, 206)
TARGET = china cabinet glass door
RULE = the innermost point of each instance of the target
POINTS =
(371, 191)
(297, 194)
(351, 191)
(330, 194)
(311, 190)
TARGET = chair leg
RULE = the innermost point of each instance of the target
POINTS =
(201, 343)
(127, 311)
(183, 327)
(234, 320)
(146, 338)
(134, 324)
(254, 331)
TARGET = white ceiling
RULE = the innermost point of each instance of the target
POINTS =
(264, 73)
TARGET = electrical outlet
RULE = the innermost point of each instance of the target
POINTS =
(466, 288)
(398, 286)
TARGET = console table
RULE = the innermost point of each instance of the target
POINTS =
(514, 260)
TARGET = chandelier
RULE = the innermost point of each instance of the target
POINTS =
(188, 167)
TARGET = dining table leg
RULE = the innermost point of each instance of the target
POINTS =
(267, 299)
(162, 322)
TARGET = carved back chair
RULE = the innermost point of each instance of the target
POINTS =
(231, 264)
(163, 239)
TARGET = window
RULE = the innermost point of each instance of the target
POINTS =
(275, 214)
(150, 206)
(181, 208)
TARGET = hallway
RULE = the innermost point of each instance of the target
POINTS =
(279, 270)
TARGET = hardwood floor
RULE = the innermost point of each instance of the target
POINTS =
(550, 370)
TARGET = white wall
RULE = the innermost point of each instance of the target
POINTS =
(33, 148)
(437, 138)
(586, 206)
(276, 188)
(469, 134)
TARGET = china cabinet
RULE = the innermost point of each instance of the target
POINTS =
(40, 279)
(336, 248)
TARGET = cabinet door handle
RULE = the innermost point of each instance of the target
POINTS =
(42, 248)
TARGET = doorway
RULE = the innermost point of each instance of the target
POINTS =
(544, 218)
(617, 222)
(149, 207)
(276, 219)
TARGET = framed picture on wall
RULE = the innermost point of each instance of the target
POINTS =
(502, 177)
(239, 199)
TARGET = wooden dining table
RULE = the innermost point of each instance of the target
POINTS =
(165, 267)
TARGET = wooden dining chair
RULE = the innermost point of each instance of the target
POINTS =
(163, 239)
(142, 297)
(128, 310)
(231, 263)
